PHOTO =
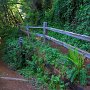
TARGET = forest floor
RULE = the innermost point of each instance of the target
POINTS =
(7, 82)
(11, 80)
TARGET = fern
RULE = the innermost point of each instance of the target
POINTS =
(78, 72)
(74, 57)
(83, 76)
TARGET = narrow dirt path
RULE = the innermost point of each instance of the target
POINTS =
(7, 84)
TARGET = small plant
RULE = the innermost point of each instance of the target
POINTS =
(76, 58)
(77, 72)
(55, 82)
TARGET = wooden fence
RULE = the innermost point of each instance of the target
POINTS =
(0, 40)
(46, 37)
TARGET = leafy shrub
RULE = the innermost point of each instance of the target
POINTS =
(77, 72)
(15, 55)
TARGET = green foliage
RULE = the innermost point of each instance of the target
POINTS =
(70, 15)
(77, 71)
(39, 60)
(30, 60)
(83, 76)
(76, 59)
(16, 56)
(83, 19)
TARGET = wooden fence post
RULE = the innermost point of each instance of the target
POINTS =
(27, 29)
(44, 31)
(0, 40)
(20, 41)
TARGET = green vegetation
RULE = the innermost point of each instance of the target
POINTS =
(47, 65)
(69, 15)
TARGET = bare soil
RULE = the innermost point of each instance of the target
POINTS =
(12, 84)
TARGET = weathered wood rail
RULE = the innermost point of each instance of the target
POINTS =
(46, 37)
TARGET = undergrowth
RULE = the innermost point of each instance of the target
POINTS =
(46, 64)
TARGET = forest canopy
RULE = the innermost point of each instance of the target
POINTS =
(73, 15)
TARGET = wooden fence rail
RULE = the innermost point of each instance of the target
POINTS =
(78, 36)
(75, 35)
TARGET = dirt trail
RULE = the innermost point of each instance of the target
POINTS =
(6, 84)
